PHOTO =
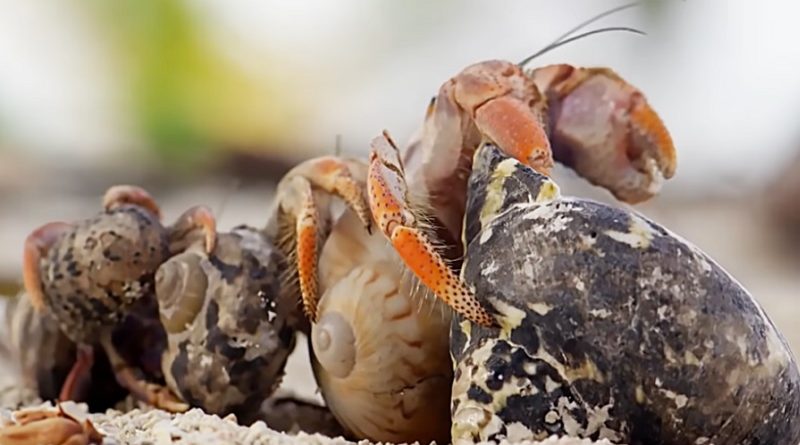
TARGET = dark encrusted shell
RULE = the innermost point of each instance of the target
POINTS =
(231, 355)
(99, 269)
(611, 327)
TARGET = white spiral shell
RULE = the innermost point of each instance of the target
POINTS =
(334, 344)
(386, 371)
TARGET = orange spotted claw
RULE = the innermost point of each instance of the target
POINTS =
(387, 192)
(603, 128)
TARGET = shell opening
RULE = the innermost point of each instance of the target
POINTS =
(334, 344)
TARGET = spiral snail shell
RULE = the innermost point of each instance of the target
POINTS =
(379, 348)
(228, 331)
(181, 285)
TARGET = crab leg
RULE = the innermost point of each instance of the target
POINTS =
(130, 194)
(297, 199)
(36, 245)
(198, 217)
(334, 175)
(603, 128)
(78, 373)
(389, 204)
(155, 395)
(306, 230)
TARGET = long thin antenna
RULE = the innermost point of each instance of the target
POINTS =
(557, 42)
(553, 46)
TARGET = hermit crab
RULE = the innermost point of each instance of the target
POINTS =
(574, 318)
(589, 119)
(91, 274)
(380, 359)
(608, 326)
(230, 326)
(379, 346)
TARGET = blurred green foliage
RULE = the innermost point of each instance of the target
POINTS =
(187, 96)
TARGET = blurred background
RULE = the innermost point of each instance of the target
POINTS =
(210, 101)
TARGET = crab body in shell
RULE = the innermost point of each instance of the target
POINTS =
(354, 291)
(89, 276)
(103, 265)
(230, 328)
(609, 326)
(378, 343)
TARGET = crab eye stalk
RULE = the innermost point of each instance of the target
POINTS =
(334, 344)
(181, 287)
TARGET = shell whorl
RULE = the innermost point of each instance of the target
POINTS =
(181, 285)
(334, 345)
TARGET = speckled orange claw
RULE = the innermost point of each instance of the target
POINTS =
(388, 201)
(603, 128)
(299, 193)
(505, 108)
(36, 245)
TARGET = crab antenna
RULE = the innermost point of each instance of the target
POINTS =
(585, 34)
(558, 42)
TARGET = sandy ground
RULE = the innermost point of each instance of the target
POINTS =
(153, 427)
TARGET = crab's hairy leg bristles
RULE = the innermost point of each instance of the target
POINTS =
(421, 257)
(303, 217)
(80, 370)
(287, 243)
(389, 204)
(155, 395)
(306, 233)
(303, 227)
(197, 217)
(130, 194)
(36, 246)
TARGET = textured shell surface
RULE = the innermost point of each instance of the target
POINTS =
(380, 347)
(228, 354)
(610, 327)
(101, 268)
